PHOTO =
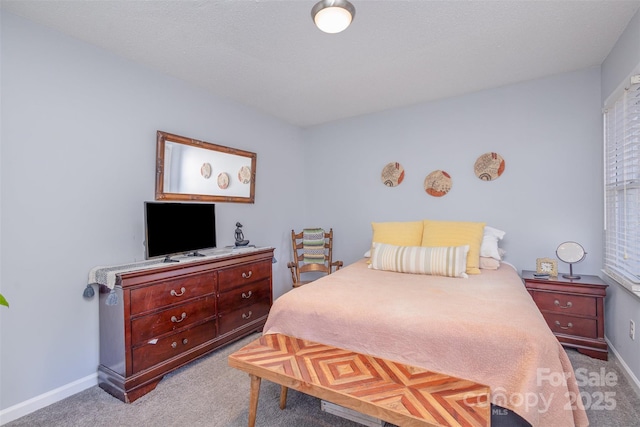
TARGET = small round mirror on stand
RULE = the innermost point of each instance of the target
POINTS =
(570, 252)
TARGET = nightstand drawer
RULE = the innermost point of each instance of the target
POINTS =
(566, 304)
(571, 325)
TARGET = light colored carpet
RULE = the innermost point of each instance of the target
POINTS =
(210, 393)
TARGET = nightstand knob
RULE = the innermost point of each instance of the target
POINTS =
(557, 303)
(569, 325)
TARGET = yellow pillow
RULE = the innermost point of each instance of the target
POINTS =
(407, 233)
(453, 233)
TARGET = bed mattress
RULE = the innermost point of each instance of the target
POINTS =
(485, 328)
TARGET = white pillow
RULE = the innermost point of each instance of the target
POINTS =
(488, 263)
(438, 261)
(489, 246)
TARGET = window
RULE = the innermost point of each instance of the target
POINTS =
(622, 188)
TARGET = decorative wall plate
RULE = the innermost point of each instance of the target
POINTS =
(244, 174)
(437, 183)
(205, 170)
(392, 174)
(489, 166)
(223, 180)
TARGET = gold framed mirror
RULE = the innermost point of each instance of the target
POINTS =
(188, 169)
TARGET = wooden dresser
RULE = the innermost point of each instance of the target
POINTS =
(573, 309)
(168, 316)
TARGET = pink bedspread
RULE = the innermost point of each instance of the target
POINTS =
(485, 328)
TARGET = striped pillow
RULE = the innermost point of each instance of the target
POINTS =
(448, 261)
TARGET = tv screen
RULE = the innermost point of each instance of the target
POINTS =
(178, 228)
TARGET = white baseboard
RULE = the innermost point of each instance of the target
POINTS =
(633, 380)
(28, 406)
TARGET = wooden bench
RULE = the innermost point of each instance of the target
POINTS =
(397, 393)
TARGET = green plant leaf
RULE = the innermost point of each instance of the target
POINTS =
(3, 301)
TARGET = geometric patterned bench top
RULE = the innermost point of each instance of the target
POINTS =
(394, 392)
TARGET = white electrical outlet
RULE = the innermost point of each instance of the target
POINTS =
(632, 329)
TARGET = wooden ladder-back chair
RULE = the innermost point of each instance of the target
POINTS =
(311, 256)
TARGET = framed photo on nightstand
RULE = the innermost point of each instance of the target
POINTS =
(547, 266)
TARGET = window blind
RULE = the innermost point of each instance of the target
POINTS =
(622, 189)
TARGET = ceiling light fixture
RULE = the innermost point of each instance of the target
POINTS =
(333, 16)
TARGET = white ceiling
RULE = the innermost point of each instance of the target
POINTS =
(268, 54)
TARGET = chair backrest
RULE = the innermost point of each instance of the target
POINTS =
(297, 246)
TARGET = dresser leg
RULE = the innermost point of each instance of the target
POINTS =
(253, 399)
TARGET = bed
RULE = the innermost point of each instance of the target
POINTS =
(484, 327)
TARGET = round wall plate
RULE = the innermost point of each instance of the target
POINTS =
(223, 180)
(392, 174)
(205, 170)
(489, 166)
(244, 174)
(437, 183)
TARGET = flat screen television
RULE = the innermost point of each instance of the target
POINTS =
(178, 228)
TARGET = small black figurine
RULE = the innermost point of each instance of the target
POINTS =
(239, 236)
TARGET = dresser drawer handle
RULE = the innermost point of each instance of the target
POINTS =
(247, 275)
(175, 294)
(569, 325)
(174, 319)
(557, 304)
(247, 316)
(246, 296)
(175, 344)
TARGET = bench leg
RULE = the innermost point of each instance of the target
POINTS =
(253, 399)
(283, 397)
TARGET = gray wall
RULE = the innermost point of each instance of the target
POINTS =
(548, 131)
(78, 154)
(622, 305)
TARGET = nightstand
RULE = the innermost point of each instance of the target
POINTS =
(573, 309)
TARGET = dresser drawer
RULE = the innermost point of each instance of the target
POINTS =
(245, 295)
(571, 325)
(566, 304)
(243, 274)
(174, 291)
(171, 346)
(238, 318)
(177, 317)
